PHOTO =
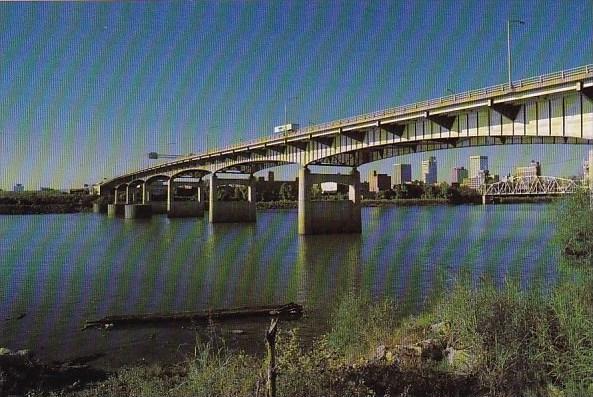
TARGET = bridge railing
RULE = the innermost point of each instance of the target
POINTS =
(482, 93)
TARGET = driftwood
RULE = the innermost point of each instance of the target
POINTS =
(271, 343)
(289, 311)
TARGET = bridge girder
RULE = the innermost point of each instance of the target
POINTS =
(436, 124)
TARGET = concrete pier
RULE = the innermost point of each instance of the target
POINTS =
(136, 211)
(329, 217)
(232, 211)
(99, 208)
(186, 209)
(158, 207)
(114, 210)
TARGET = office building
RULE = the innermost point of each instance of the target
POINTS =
(478, 180)
(402, 173)
(429, 170)
(18, 188)
(533, 169)
(477, 164)
(458, 175)
(379, 182)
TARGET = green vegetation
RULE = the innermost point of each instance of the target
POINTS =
(575, 231)
(44, 202)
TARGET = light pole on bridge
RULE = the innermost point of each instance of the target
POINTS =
(509, 21)
(285, 108)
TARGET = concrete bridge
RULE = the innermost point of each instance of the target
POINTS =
(556, 108)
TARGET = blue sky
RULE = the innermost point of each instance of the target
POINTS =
(87, 89)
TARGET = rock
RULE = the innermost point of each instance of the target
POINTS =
(23, 353)
(431, 349)
(410, 350)
(4, 351)
(380, 352)
(461, 361)
(390, 357)
(442, 328)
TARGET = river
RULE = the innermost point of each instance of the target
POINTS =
(60, 270)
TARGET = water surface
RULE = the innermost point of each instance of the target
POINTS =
(61, 270)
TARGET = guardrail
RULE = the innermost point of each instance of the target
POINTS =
(482, 93)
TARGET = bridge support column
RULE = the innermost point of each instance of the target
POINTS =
(484, 200)
(144, 194)
(99, 208)
(329, 217)
(231, 211)
(135, 211)
(117, 208)
(128, 194)
(186, 208)
(114, 210)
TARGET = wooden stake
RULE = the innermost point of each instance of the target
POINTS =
(271, 343)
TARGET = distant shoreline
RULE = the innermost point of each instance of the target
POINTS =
(72, 208)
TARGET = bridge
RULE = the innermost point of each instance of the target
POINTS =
(555, 108)
(529, 186)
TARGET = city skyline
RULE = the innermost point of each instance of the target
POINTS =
(90, 89)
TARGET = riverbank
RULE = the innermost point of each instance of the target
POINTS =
(65, 204)
(44, 203)
(479, 341)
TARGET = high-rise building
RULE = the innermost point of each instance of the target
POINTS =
(477, 164)
(429, 170)
(478, 180)
(533, 169)
(379, 182)
(458, 175)
(18, 188)
(402, 173)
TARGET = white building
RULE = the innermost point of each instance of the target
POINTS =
(477, 164)
(429, 170)
(533, 169)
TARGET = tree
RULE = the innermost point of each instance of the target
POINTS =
(286, 192)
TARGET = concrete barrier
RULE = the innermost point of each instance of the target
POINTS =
(114, 210)
(186, 209)
(136, 211)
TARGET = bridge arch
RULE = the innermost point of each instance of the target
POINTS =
(193, 173)
(155, 178)
(252, 166)
(360, 156)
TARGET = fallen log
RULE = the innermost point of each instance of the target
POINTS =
(288, 311)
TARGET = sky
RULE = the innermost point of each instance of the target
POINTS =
(88, 89)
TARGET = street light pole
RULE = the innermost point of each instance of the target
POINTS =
(285, 107)
(509, 21)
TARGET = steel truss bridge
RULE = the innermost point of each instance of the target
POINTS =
(530, 186)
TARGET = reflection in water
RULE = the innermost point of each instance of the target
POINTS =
(328, 267)
(64, 269)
